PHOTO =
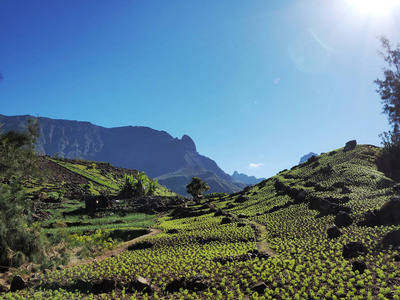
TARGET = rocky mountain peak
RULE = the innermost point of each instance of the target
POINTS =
(188, 143)
(134, 147)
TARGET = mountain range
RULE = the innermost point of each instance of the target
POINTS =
(172, 161)
(243, 178)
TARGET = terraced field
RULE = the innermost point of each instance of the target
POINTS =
(267, 242)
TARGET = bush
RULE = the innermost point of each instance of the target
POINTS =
(138, 185)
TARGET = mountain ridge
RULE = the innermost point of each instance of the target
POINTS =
(243, 178)
(134, 147)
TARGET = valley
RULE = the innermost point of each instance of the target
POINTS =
(311, 232)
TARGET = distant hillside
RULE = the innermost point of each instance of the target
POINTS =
(141, 148)
(243, 178)
(306, 157)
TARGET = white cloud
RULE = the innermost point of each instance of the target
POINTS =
(255, 166)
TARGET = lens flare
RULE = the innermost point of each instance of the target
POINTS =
(374, 7)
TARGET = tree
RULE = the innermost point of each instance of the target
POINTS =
(19, 240)
(197, 187)
(389, 90)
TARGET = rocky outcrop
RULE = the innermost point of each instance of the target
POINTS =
(241, 199)
(253, 254)
(354, 249)
(388, 214)
(197, 283)
(350, 145)
(141, 245)
(141, 284)
(17, 284)
(343, 219)
(359, 266)
(333, 232)
(104, 286)
(225, 220)
(280, 186)
(326, 207)
(392, 239)
(259, 287)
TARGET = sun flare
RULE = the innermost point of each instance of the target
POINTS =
(374, 7)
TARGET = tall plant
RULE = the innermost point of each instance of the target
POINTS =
(19, 240)
(138, 185)
(197, 187)
(389, 90)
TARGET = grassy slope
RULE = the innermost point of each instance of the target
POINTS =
(78, 173)
(306, 265)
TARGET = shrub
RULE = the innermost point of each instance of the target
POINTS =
(138, 185)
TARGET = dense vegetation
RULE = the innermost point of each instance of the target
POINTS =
(19, 240)
(267, 242)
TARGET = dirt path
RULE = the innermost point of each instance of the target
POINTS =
(121, 248)
(108, 253)
(260, 233)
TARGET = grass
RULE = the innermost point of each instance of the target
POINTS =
(91, 174)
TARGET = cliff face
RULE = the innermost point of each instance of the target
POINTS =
(142, 148)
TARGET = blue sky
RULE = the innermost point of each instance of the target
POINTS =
(256, 84)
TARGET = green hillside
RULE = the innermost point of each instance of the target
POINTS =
(76, 177)
(267, 242)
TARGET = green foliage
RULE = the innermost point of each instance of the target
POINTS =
(90, 172)
(103, 179)
(17, 158)
(216, 195)
(19, 240)
(389, 90)
(89, 188)
(197, 187)
(138, 185)
(94, 242)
